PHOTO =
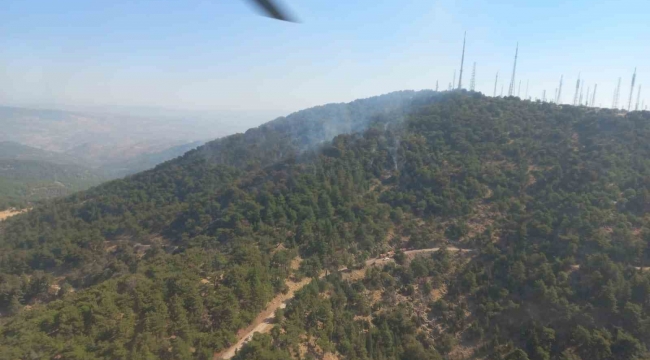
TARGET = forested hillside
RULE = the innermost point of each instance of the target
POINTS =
(28, 174)
(171, 262)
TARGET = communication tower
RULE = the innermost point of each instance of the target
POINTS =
(575, 96)
(511, 90)
(462, 61)
(629, 102)
(593, 96)
(617, 92)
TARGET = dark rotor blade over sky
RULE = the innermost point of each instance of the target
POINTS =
(272, 9)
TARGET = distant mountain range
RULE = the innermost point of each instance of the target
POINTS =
(98, 139)
(50, 153)
(28, 174)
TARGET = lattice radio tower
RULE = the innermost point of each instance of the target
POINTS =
(558, 95)
(496, 80)
(629, 102)
(511, 90)
(638, 98)
(462, 61)
(593, 96)
(617, 92)
(575, 96)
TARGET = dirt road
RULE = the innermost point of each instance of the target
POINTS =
(9, 213)
(264, 321)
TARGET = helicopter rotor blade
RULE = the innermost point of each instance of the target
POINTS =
(271, 9)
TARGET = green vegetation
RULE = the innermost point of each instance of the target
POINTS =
(171, 262)
(23, 182)
(28, 175)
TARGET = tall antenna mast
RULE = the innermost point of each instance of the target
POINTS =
(436, 85)
(593, 96)
(496, 79)
(587, 97)
(575, 96)
(514, 69)
(544, 96)
(629, 102)
(582, 89)
(472, 83)
(501, 90)
(519, 91)
(558, 95)
(616, 94)
(638, 97)
(462, 60)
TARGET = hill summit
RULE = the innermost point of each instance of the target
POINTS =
(549, 203)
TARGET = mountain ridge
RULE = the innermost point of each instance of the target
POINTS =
(552, 200)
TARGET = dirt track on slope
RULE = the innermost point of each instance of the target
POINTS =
(264, 320)
(9, 213)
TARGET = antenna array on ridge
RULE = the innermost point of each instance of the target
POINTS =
(579, 97)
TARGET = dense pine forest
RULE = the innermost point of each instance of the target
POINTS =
(170, 263)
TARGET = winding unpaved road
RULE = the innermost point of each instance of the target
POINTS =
(264, 320)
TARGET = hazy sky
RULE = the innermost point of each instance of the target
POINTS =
(219, 55)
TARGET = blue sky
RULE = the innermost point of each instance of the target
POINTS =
(219, 55)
